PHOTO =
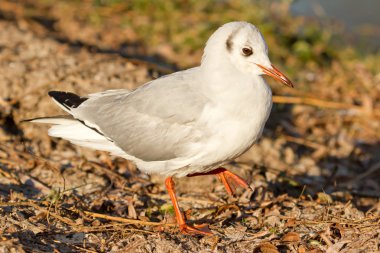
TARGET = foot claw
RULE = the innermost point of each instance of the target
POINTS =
(228, 178)
(196, 230)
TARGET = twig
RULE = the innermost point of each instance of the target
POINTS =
(82, 249)
(314, 102)
(185, 199)
(128, 221)
(112, 228)
(321, 103)
(326, 239)
(8, 175)
(13, 164)
(302, 192)
(304, 142)
(96, 215)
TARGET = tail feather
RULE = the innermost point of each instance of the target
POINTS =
(55, 120)
(78, 133)
(74, 130)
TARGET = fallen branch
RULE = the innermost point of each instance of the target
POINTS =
(128, 221)
(95, 215)
(323, 103)
(304, 142)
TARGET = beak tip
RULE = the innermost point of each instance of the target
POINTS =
(276, 74)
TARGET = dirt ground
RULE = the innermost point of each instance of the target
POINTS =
(315, 171)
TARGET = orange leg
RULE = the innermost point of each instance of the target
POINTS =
(227, 178)
(186, 229)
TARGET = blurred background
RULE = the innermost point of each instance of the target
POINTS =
(358, 19)
(321, 146)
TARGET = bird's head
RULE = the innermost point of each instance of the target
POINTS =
(242, 45)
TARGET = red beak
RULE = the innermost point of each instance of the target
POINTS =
(276, 74)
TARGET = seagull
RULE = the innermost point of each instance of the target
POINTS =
(189, 123)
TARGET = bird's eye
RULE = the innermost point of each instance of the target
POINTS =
(247, 51)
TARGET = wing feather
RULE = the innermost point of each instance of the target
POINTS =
(153, 123)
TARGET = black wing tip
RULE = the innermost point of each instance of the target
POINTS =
(68, 99)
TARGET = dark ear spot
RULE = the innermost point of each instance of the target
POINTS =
(229, 43)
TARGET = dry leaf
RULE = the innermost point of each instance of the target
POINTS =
(301, 249)
(291, 237)
(266, 247)
(324, 198)
(290, 223)
(131, 211)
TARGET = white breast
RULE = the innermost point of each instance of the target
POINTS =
(234, 124)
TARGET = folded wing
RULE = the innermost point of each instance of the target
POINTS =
(156, 122)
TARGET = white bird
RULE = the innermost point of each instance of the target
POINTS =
(188, 123)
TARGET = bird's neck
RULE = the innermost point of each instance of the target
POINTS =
(226, 84)
(222, 74)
